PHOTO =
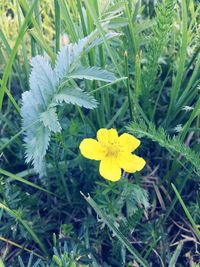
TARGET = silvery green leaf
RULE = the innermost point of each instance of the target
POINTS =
(42, 80)
(75, 96)
(39, 117)
(68, 58)
(50, 120)
(93, 73)
(37, 140)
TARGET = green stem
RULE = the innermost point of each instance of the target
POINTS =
(128, 85)
(131, 29)
(57, 24)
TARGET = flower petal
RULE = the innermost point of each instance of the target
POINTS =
(129, 142)
(105, 135)
(109, 169)
(102, 135)
(130, 163)
(91, 149)
(113, 135)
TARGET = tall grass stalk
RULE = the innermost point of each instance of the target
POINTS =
(181, 66)
(57, 24)
(35, 30)
(8, 67)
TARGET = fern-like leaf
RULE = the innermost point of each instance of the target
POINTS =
(157, 41)
(39, 105)
(170, 143)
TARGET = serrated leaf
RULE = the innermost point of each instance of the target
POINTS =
(99, 41)
(42, 80)
(30, 109)
(37, 141)
(93, 73)
(68, 57)
(64, 60)
(141, 196)
(43, 87)
(75, 96)
(50, 120)
(46, 92)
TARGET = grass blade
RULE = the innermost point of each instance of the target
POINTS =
(23, 44)
(21, 247)
(8, 67)
(1, 263)
(118, 234)
(36, 31)
(93, 15)
(176, 254)
(57, 24)
(131, 29)
(70, 26)
(180, 72)
(109, 84)
(15, 63)
(187, 125)
(187, 213)
(26, 226)
(128, 86)
(11, 98)
(18, 178)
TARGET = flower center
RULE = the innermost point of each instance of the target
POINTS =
(112, 149)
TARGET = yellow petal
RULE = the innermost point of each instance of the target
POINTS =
(104, 135)
(113, 135)
(91, 149)
(109, 169)
(129, 142)
(130, 163)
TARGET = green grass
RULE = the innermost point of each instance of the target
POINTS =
(149, 218)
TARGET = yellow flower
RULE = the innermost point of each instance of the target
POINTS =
(114, 153)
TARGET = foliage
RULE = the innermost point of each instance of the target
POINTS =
(173, 144)
(158, 41)
(70, 52)
(50, 88)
